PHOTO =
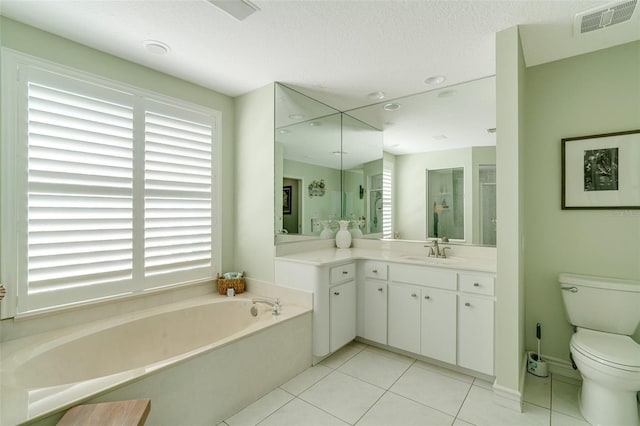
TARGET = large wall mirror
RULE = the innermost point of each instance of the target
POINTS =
(395, 145)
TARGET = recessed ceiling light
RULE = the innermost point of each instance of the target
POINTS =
(436, 79)
(440, 137)
(315, 124)
(376, 96)
(391, 106)
(296, 116)
(156, 47)
(284, 131)
(447, 93)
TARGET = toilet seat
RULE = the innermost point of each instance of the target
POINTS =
(614, 350)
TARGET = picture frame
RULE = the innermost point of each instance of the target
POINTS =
(601, 171)
(286, 199)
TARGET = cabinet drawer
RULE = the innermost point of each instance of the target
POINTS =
(478, 284)
(432, 277)
(376, 270)
(343, 273)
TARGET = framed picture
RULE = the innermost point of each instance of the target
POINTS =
(286, 199)
(601, 171)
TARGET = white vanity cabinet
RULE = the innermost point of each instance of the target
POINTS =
(334, 300)
(422, 310)
(404, 316)
(342, 319)
(476, 322)
(438, 324)
(373, 306)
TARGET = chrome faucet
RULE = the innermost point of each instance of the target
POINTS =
(434, 250)
(275, 305)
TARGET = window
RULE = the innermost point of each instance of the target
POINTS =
(111, 190)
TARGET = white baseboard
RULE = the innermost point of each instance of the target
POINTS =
(507, 398)
(561, 367)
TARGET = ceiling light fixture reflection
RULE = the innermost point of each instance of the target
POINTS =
(447, 93)
(391, 106)
(315, 124)
(296, 116)
(156, 47)
(376, 96)
(284, 131)
(435, 80)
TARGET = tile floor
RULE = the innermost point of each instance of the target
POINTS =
(365, 386)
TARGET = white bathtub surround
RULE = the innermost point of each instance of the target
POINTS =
(207, 351)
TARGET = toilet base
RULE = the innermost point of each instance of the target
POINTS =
(602, 406)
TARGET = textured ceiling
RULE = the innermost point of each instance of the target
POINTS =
(336, 51)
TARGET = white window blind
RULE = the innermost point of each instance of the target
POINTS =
(178, 203)
(79, 194)
(111, 192)
(387, 196)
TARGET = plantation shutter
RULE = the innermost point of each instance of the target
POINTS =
(177, 194)
(387, 196)
(79, 191)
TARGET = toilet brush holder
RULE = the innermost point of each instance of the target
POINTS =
(536, 365)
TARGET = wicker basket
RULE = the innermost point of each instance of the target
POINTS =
(238, 284)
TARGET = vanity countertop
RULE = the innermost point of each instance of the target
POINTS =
(330, 256)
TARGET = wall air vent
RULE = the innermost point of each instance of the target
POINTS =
(603, 16)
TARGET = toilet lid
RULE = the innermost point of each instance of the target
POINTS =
(615, 350)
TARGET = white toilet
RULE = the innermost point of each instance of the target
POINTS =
(605, 311)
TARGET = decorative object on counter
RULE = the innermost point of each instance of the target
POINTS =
(327, 232)
(355, 230)
(231, 280)
(600, 171)
(343, 236)
(316, 188)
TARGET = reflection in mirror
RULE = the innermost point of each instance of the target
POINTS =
(361, 175)
(452, 127)
(324, 163)
(445, 202)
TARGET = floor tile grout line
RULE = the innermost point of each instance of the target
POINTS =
(372, 405)
(463, 401)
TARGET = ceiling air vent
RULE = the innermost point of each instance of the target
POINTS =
(603, 16)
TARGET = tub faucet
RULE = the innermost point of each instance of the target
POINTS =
(275, 305)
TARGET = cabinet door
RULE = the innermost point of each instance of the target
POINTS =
(438, 331)
(475, 333)
(404, 317)
(342, 307)
(375, 311)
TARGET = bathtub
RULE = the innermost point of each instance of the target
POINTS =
(199, 361)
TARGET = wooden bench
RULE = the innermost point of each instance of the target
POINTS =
(133, 412)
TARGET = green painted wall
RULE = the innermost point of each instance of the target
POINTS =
(588, 94)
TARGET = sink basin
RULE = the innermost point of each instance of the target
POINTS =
(433, 260)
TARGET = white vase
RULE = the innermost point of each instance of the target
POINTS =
(355, 230)
(326, 233)
(343, 236)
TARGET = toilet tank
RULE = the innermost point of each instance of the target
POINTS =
(598, 303)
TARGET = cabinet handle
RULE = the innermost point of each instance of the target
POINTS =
(414, 295)
(345, 272)
(375, 271)
(476, 284)
(467, 304)
(427, 297)
(337, 293)
(380, 289)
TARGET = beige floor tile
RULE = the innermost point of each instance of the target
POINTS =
(432, 389)
(374, 368)
(343, 396)
(393, 409)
